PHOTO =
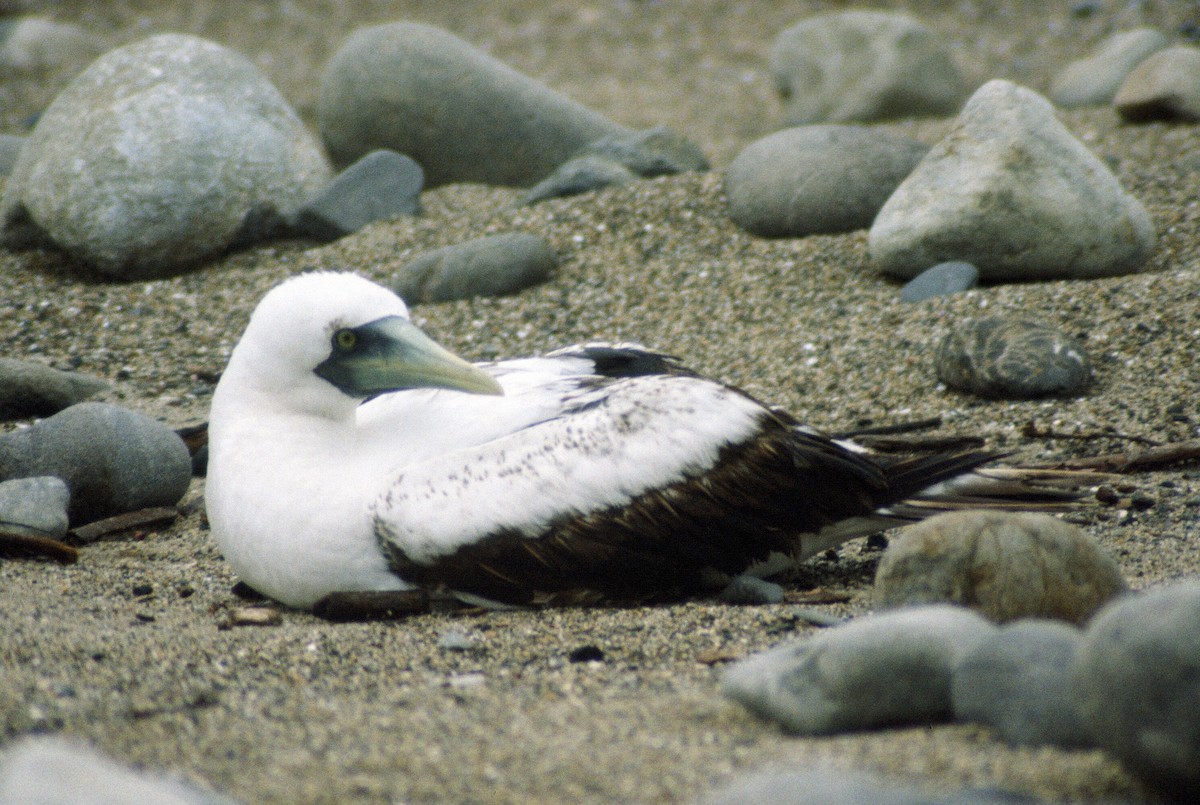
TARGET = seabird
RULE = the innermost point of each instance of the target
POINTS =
(350, 452)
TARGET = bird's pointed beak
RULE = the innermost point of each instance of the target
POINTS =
(391, 354)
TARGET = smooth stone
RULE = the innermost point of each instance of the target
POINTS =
(863, 66)
(463, 115)
(943, 279)
(494, 265)
(10, 149)
(381, 185)
(579, 175)
(838, 786)
(30, 389)
(1137, 685)
(817, 179)
(1018, 682)
(456, 641)
(112, 459)
(1166, 86)
(879, 670)
(1004, 565)
(35, 506)
(1003, 358)
(39, 44)
(1094, 81)
(1012, 192)
(750, 590)
(187, 149)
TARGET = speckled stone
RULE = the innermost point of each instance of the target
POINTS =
(36, 506)
(1166, 86)
(997, 357)
(1094, 81)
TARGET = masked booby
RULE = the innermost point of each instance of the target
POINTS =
(349, 452)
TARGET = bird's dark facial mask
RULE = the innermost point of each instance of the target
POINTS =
(391, 354)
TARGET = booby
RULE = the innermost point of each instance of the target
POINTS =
(350, 452)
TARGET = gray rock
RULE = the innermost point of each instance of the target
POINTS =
(751, 590)
(461, 114)
(1005, 565)
(1166, 86)
(1018, 682)
(817, 179)
(454, 640)
(998, 357)
(1094, 81)
(875, 671)
(113, 460)
(10, 149)
(1012, 192)
(839, 786)
(34, 389)
(35, 506)
(381, 185)
(489, 266)
(863, 66)
(162, 154)
(579, 175)
(943, 279)
(39, 44)
(1137, 685)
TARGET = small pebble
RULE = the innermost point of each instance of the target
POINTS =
(943, 279)
(254, 616)
(750, 590)
(579, 175)
(35, 506)
(840, 786)
(586, 653)
(455, 641)
(1018, 359)
(494, 265)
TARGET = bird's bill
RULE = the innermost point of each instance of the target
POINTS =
(391, 354)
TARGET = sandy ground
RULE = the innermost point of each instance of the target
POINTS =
(308, 711)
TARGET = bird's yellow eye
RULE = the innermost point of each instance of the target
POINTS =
(345, 339)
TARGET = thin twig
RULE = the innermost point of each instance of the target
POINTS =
(1031, 430)
(1152, 458)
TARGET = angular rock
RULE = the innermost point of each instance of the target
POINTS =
(1094, 81)
(875, 671)
(162, 154)
(34, 389)
(381, 185)
(39, 44)
(1137, 685)
(1018, 682)
(1012, 192)
(463, 115)
(35, 506)
(1005, 565)
(489, 266)
(1166, 86)
(1004, 358)
(112, 459)
(943, 279)
(863, 66)
(817, 179)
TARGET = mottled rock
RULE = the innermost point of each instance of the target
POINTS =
(817, 179)
(381, 185)
(862, 66)
(1166, 86)
(35, 506)
(162, 154)
(1005, 565)
(839, 786)
(750, 590)
(1018, 682)
(875, 671)
(113, 460)
(943, 279)
(1137, 685)
(1094, 81)
(39, 44)
(463, 115)
(998, 357)
(489, 266)
(1012, 192)
(34, 389)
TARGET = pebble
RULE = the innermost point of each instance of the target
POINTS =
(1005, 565)
(839, 786)
(1094, 81)
(1012, 192)
(1166, 86)
(943, 279)
(817, 179)
(863, 66)
(493, 265)
(1012, 358)
(1018, 682)
(463, 115)
(751, 590)
(35, 506)
(10, 149)
(112, 459)
(879, 670)
(42, 45)
(31, 389)
(579, 175)
(1137, 685)
(381, 185)
(454, 640)
(188, 151)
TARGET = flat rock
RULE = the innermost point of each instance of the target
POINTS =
(35, 506)
(1005, 565)
(1137, 685)
(1009, 358)
(42, 45)
(461, 114)
(838, 786)
(1012, 192)
(34, 389)
(579, 175)
(162, 154)
(494, 265)
(817, 179)
(875, 671)
(381, 185)
(943, 279)
(1094, 81)
(863, 66)
(1165, 86)
(1018, 682)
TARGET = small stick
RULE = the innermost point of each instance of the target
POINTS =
(159, 515)
(1132, 461)
(896, 427)
(13, 543)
